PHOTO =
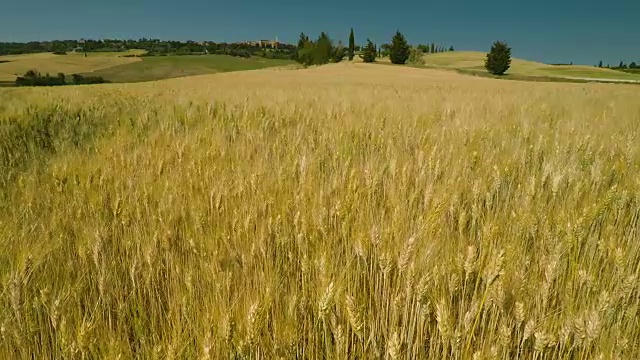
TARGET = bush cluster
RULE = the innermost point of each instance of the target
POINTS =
(34, 78)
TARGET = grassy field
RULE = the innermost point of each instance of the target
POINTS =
(631, 71)
(15, 65)
(166, 67)
(474, 61)
(349, 211)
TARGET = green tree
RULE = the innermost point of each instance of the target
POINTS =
(621, 66)
(352, 45)
(323, 49)
(451, 48)
(303, 40)
(305, 55)
(306, 49)
(498, 59)
(633, 65)
(423, 48)
(369, 53)
(600, 64)
(433, 48)
(400, 49)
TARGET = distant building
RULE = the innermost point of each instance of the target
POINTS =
(273, 44)
(268, 44)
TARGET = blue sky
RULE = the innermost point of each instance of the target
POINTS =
(551, 31)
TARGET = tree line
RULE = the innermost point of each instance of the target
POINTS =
(153, 47)
(621, 66)
(324, 50)
(34, 78)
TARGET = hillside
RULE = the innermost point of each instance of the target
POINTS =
(116, 67)
(474, 61)
(72, 63)
(166, 67)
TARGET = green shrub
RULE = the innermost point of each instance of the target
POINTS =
(87, 80)
(416, 56)
(34, 78)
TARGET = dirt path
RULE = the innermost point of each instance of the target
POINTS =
(604, 80)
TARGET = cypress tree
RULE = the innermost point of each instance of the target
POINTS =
(400, 49)
(600, 64)
(451, 48)
(499, 59)
(352, 45)
(433, 48)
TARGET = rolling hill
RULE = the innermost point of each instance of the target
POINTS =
(116, 67)
(166, 67)
(73, 63)
(471, 61)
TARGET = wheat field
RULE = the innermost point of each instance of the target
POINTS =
(350, 211)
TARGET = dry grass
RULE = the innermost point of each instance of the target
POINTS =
(475, 60)
(349, 211)
(471, 60)
(73, 63)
